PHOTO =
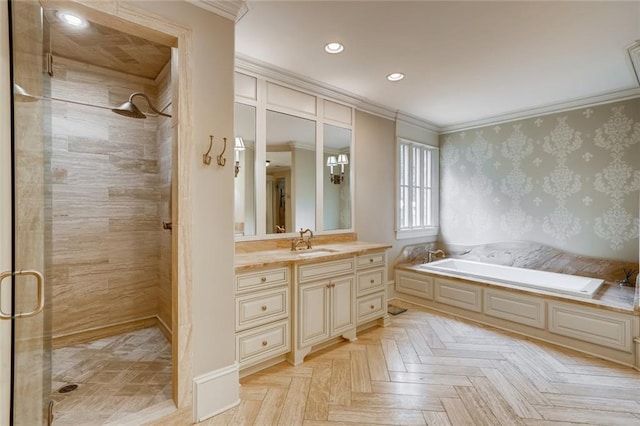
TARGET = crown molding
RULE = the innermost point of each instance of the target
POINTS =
(230, 9)
(634, 55)
(423, 124)
(619, 96)
(281, 75)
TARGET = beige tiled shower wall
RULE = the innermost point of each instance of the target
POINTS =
(165, 146)
(107, 201)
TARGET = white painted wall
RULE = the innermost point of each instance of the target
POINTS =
(5, 210)
(212, 250)
(416, 133)
(375, 180)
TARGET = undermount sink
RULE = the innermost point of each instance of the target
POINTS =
(315, 252)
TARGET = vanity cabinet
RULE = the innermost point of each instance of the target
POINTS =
(262, 323)
(326, 309)
(371, 293)
(325, 304)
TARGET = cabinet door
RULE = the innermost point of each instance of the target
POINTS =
(343, 310)
(314, 313)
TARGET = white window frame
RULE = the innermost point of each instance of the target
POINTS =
(428, 184)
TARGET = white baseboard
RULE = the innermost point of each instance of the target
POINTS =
(215, 392)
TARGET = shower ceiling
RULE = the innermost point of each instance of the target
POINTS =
(107, 48)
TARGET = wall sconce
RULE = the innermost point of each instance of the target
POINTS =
(237, 147)
(333, 161)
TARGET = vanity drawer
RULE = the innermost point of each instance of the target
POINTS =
(370, 281)
(257, 309)
(261, 279)
(371, 307)
(370, 260)
(316, 271)
(261, 343)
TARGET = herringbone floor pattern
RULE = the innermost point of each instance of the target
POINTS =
(430, 368)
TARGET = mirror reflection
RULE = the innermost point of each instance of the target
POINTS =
(337, 178)
(290, 173)
(244, 161)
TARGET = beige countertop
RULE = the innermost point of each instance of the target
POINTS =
(610, 296)
(319, 253)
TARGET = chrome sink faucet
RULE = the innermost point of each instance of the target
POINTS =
(431, 255)
(302, 240)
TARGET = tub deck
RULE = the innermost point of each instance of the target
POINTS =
(530, 255)
(609, 296)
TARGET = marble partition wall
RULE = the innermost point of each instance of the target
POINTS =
(107, 204)
(568, 180)
(165, 153)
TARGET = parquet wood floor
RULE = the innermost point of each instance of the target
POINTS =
(428, 368)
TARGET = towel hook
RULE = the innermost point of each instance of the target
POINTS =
(206, 158)
(221, 160)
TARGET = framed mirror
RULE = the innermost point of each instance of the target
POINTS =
(336, 178)
(290, 173)
(244, 161)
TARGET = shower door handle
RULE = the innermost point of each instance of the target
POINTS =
(39, 290)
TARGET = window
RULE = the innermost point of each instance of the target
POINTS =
(417, 198)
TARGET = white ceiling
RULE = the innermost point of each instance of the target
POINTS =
(463, 61)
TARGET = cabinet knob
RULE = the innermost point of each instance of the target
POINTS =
(264, 307)
(372, 307)
(264, 343)
(371, 260)
(263, 279)
(372, 281)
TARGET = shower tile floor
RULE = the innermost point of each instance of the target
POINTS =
(116, 376)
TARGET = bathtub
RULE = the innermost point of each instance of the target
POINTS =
(541, 280)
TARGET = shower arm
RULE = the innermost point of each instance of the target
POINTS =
(146, 98)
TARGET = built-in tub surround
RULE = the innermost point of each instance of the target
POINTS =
(606, 325)
(109, 192)
(519, 277)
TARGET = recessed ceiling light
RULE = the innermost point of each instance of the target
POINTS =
(395, 76)
(71, 19)
(334, 47)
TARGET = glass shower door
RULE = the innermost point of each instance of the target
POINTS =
(28, 308)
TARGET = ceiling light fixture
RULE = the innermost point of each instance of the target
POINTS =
(395, 76)
(333, 47)
(71, 19)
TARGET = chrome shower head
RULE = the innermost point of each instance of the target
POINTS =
(129, 109)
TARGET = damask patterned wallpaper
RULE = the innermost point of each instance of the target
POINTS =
(569, 180)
